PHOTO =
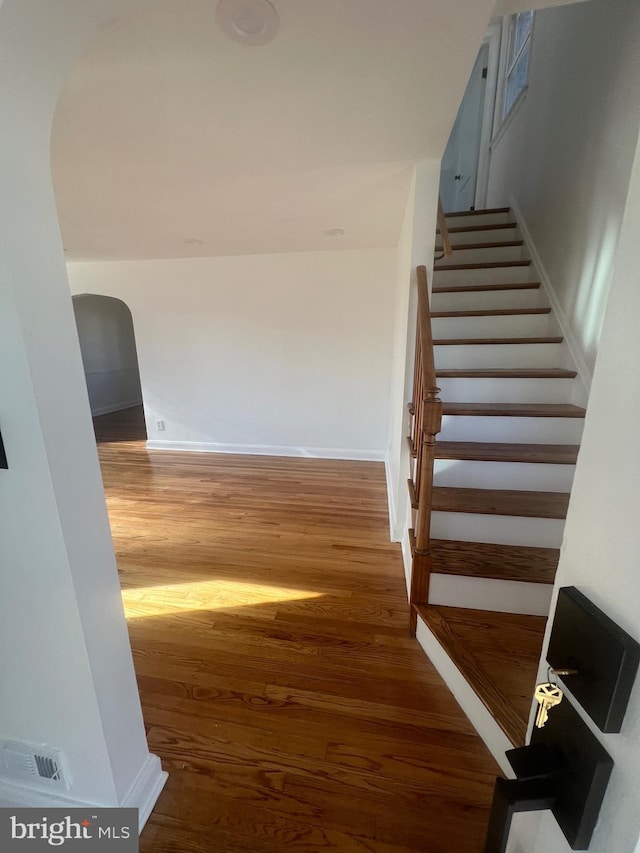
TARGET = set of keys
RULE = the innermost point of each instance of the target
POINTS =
(548, 695)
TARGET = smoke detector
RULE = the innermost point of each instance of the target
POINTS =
(251, 22)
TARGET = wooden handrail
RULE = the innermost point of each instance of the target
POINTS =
(444, 231)
(427, 422)
(424, 330)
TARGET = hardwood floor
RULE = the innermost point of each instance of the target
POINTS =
(501, 502)
(498, 655)
(125, 425)
(268, 619)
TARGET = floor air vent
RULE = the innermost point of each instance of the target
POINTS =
(48, 768)
(26, 763)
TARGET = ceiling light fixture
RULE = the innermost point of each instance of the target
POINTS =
(251, 22)
(334, 232)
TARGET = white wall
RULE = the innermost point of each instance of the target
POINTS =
(272, 353)
(602, 536)
(415, 247)
(66, 668)
(565, 157)
(108, 349)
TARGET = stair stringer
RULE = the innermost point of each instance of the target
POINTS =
(479, 716)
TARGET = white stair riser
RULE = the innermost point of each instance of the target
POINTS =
(495, 326)
(487, 275)
(451, 356)
(479, 219)
(537, 477)
(505, 390)
(484, 255)
(486, 300)
(500, 529)
(490, 235)
(502, 596)
(518, 430)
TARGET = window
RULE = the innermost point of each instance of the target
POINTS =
(517, 65)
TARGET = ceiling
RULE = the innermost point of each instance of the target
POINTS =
(169, 131)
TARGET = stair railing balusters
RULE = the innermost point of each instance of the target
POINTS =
(417, 432)
(427, 425)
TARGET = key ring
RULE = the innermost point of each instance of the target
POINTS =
(562, 672)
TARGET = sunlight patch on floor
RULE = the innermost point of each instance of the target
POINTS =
(206, 595)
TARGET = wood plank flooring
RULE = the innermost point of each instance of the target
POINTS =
(507, 373)
(491, 560)
(501, 502)
(515, 410)
(457, 342)
(498, 654)
(491, 312)
(484, 451)
(476, 288)
(268, 619)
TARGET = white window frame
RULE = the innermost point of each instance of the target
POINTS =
(506, 69)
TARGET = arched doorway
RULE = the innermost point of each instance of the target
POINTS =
(110, 360)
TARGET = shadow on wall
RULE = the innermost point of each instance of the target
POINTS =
(108, 347)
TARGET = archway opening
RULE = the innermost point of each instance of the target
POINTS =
(110, 359)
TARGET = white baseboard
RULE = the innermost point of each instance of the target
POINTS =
(142, 795)
(21, 796)
(575, 350)
(146, 789)
(495, 739)
(115, 407)
(269, 450)
(395, 530)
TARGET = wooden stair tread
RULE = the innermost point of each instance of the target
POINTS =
(500, 502)
(488, 560)
(492, 312)
(497, 653)
(444, 342)
(477, 288)
(481, 451)
(486, 265)
(507, 373)
(487, 210)
(497, 244)
(514, 410)
(460, 229)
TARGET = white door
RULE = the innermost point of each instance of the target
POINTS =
(459, 171)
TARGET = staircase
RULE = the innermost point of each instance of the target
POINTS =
(503, 462)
